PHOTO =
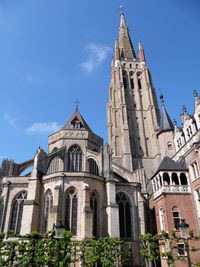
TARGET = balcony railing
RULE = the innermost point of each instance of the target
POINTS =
(178, 189)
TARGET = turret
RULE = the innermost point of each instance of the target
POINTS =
(166, 133)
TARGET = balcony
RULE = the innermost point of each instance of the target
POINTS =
(172, 189)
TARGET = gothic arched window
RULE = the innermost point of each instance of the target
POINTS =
(92, 166)
(94, 208)
(124, 215)
(47, 208)
(16, 212)
(74, 159)
(71, 210)
(55, 165)
(125, 79)
(139, 80)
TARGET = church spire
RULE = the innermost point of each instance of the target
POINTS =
(125, 44)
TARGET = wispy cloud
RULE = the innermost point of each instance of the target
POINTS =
(11, 120)
(43, 127)
(96, 55)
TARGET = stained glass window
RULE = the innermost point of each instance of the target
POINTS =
(74, 159)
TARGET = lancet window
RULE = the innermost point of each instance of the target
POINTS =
(131, 80)
(47, 208)
(94, 208)
(17, 211)
(124, 215)
(71, 210)
(93, 167)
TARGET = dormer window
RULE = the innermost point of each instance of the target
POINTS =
(76, 124)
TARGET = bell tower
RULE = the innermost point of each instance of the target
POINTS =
(132, 110)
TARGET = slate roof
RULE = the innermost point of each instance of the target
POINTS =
(76, 114)
(169, 164)
(165, 121)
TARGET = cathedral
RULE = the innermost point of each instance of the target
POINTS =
(145, 179)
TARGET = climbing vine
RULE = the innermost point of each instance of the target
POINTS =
(165, 245)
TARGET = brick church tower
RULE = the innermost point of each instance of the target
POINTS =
(133, 114)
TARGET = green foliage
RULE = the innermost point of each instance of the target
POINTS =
(2, 235)
(35, 250)
(105, 251)
(34, 234)
(173, 234)
(10, 234)
(164, 234)
(191, 233)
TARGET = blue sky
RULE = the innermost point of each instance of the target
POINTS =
(53, 52)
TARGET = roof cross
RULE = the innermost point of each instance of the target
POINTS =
(77, 102)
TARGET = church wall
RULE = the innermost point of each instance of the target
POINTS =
(84, 186)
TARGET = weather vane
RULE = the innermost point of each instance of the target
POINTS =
(77, 102)
(121, 9)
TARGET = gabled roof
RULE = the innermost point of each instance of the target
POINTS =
(165, 121)
(76, 116)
